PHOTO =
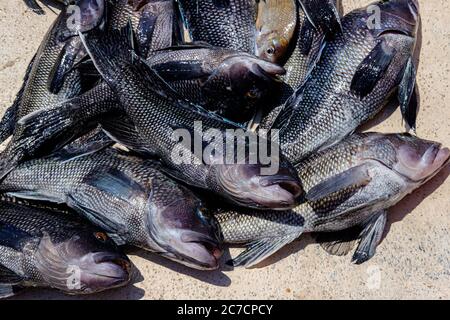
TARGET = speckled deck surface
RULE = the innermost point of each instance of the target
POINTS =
(413, 260)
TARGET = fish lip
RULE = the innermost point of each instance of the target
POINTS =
(247, 187)
(426, 166)
(208, 244)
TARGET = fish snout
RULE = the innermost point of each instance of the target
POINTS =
(420, 159)
(201, 251)
(247, 186)
(103, 270)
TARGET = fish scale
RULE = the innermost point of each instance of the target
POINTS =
(127, 196)
(228, 24)
(34, 231)
(371, 167)
(324, 109)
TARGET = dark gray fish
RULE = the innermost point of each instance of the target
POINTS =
(357, 72)
(305, 52)
(127, 197)
(348, 185)
(120, 12)
(44, 248)
(48, 79)
(155, 111)
(222, 23)
(228, 82)
(153, 22)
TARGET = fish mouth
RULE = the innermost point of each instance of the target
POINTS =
(198, 251)
(108, 271)
(422, 160)
(248, 67)
(246, 186)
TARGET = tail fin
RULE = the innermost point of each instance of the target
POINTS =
(33, 5)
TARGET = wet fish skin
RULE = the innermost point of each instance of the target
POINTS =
(44, 248)
(228, 82)
(222, 23)
(275, 28)
(276, 191)
(48, 79)
(357, 71)
(303, 56)
(127, 197)
(347, 185)
(35, 96)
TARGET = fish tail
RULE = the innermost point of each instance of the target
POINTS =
(110, 51)
(33, 5)
(8, 122)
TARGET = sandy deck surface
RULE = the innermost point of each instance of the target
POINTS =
(413, 261)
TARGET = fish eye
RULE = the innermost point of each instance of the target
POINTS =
(251, 94)
(270, 51)
(101, 236)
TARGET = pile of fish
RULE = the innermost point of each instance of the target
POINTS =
(90, 164)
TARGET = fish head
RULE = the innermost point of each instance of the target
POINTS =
(86, 262)
(185, 230)
(247, 78)
(415, 160)
(252, 184)
(418, 159)
(271, 47)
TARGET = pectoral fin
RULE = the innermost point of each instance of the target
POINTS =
(407, 95)
(354, 177)
(339, 243)
(71, 53)
(180, 70)
(259, 250)
(370, 237)
(372, 69)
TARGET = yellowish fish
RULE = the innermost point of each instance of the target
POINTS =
(275, 27)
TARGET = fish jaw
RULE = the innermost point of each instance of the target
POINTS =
(246, 186)
(104, 271)
(419, 167)
(183, 232)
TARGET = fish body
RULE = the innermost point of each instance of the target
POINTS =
(347, 185)
(49, 78)
(44, 248)
(357, 72)
(126, 196)
(148, 101)
(228, 82)
(275, 28)
(302, 57)
(222, 23)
